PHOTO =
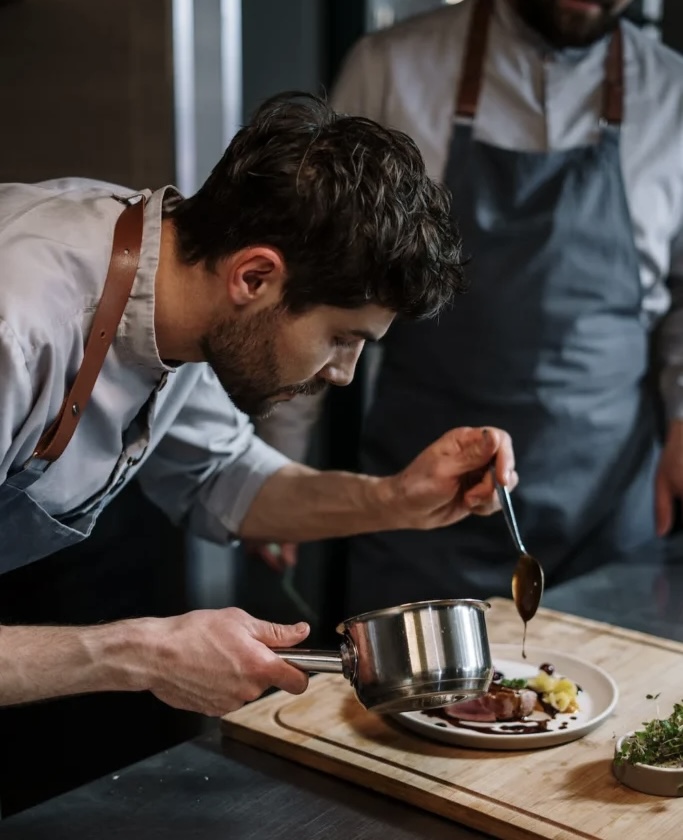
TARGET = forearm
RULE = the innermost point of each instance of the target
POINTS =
(445, 483)
(300, 504)
(41, 662)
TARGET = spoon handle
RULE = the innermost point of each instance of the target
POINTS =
(508, 512)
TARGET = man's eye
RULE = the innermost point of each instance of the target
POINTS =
(344, 342)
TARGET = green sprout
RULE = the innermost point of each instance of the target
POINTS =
(660, 743)
(514, 683)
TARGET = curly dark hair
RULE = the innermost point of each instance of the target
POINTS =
(347, 202)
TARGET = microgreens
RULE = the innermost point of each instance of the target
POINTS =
(660, 743)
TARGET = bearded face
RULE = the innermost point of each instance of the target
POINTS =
(571, 23)
(243, 353)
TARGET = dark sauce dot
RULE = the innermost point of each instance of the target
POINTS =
(548, 668)
(497, 676)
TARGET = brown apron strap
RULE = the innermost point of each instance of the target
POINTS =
(123, 266)
(473, 66)
(613, 95)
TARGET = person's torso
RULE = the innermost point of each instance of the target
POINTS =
(55, 241)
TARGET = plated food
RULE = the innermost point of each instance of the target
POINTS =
(549, 698)
(529, 701)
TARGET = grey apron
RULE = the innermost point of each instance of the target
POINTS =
(28, 531)
(548, 344)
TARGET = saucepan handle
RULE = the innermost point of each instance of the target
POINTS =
(318, 661)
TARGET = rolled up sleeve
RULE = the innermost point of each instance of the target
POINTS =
(208, 467)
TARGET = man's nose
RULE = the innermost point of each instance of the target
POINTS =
(342, 369)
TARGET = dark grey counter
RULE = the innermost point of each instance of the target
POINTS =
(210, 789)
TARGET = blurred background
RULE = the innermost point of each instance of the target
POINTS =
(145, 93)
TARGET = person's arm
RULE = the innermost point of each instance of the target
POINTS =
(669, 481)
(208, 661)
(448, 481)
(212, 474)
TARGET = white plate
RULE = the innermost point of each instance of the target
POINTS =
(597, 699)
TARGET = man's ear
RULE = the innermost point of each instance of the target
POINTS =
(253, 275)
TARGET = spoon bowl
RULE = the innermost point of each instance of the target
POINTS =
(527, 586)
(527, 578)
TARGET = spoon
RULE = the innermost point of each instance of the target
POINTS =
(527, 578)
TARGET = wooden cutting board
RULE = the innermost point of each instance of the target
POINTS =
(564, 792)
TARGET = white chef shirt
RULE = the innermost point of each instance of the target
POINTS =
(175, 428)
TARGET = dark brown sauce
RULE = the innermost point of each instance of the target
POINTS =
(525, 592)
(551, 711)
(548, 668)
(520, 727)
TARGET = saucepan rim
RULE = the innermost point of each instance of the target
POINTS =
(399, 609)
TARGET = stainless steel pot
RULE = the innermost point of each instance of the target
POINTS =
(414, 656)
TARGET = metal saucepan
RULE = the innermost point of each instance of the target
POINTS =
(414, 656)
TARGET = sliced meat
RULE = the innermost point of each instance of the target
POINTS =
(499, 703)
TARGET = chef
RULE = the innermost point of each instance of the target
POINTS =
(558, 129)
(136, 328)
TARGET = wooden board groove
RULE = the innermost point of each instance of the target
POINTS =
(560, 793)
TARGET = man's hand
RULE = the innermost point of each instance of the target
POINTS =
(669, 480)
(451, 479)
(214, 661)
(208, 661)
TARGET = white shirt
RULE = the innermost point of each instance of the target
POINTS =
(195, 454)
(537, 99)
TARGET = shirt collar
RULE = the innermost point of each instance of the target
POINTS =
(136, 336)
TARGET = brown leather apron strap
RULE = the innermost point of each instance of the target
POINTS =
(473, 66)
(123, 266)
(613, 95)
(475, 55)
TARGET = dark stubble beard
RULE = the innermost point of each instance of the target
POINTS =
(566, 28)
(243, 355)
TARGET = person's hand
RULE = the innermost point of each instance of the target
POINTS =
(214, 661)
(277, 556)
(669, 479)
(451, 479)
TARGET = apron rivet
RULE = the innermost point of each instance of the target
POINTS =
(75, 409)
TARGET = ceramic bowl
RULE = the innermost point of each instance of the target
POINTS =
(657, 781)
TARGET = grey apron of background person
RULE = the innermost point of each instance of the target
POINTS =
(548, 344)
(27, 531)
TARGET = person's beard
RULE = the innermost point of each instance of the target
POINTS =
(564, 27)
(243, 355)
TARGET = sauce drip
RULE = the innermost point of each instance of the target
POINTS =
(512, 727)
